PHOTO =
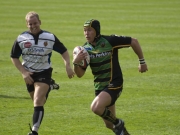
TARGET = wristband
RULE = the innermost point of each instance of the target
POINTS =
(142, 61)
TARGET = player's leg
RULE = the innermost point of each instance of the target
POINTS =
(103, 105)
(99, 107)
(39, 100)
(118, 128)
(108, 123)
(31, 94)
(40, 92)
(53, 86)
(41, 87)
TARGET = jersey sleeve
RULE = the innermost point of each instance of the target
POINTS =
(16, 50)
(59, 46)
(120, 41)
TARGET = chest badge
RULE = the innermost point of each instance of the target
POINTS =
(45, 43)
(27, 44)
(103, 44)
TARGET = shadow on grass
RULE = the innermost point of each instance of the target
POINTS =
(15, 97)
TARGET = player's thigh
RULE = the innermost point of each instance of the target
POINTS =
(40, 92)
(101, 100)
(41, 88)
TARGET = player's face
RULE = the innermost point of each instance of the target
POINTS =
(33, 25)
(89, 34)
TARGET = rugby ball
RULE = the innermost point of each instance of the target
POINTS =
(84, 63)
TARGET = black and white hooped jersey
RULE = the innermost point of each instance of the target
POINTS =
(36, 50)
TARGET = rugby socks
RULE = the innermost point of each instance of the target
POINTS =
(37, 117)
(107, 115)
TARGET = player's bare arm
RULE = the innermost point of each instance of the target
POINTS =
(77, 59)
(137, 49)
(25, 74)
(79, 71)
(66, 59)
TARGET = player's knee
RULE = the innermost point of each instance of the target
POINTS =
(39, 101)
(93, 108)
(96, 109)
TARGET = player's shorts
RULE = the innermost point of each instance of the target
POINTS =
(113, 93)
(44, 77)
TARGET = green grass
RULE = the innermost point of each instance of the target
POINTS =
(150, 102)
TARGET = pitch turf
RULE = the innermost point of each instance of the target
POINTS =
(150, 102)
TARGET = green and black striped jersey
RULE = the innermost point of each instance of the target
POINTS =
(104, 61)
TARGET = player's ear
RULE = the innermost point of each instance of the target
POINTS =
(40, 22)
(27, 25)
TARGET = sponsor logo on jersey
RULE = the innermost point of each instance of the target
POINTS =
(98, 55)
(36, 50)
(27, 44)
(88, 47)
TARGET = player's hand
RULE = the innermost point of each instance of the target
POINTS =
(79, 57)
(27, 77)
(142, 68)
(70, 72)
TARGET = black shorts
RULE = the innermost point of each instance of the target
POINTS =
(44, 76)
(113, 93)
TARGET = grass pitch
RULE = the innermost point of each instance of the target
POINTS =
(150, 102)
